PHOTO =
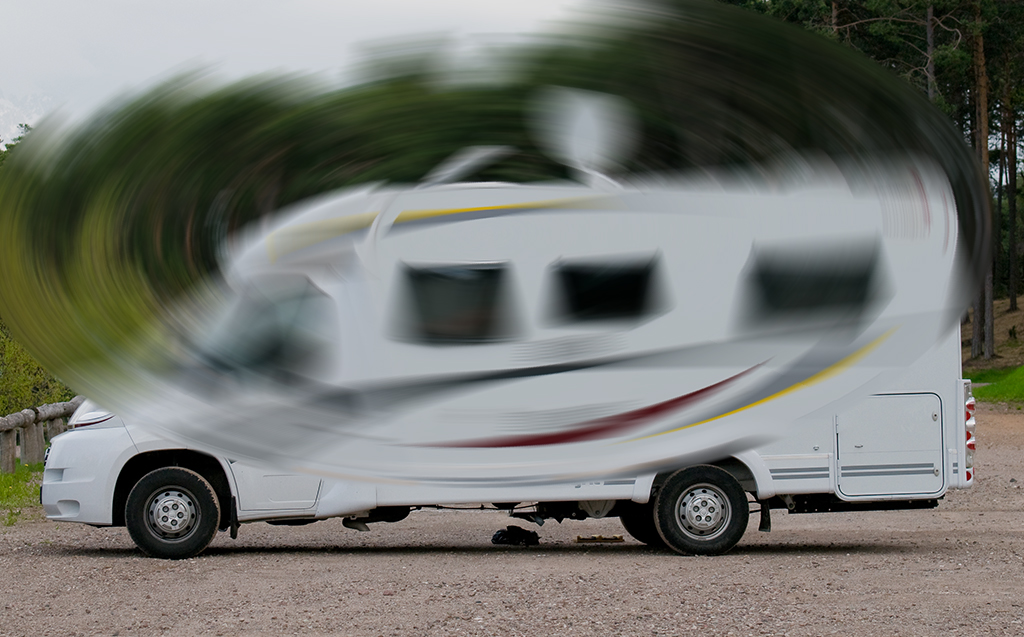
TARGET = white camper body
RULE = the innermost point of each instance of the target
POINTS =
(656, 353)
(473, 334)
(903, 448)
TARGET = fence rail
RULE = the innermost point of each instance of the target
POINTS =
(32, 427)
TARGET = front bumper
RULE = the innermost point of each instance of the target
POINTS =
(81, 473)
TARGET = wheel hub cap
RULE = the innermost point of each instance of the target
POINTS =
(172, 513)
(703, 511)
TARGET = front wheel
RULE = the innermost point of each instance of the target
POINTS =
(701, 510)
(172, 513)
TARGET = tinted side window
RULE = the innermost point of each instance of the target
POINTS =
(457, 303)
(815, 283)
(601, 291)
(790, 290)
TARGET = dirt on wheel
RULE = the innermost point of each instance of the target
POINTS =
(957, 569)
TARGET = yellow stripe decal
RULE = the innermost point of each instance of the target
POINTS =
(416, 215)
(829, 371)
(294, 238)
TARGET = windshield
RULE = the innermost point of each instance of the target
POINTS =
(278, 327)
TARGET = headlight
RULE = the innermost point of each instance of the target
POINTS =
(90, 414)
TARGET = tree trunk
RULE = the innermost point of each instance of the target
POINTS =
(1011, 200)
(977, 326)
(997, 215)
(990, 327)
(930, 62)
(981, 95)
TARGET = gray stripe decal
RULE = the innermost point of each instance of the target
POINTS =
(799, 470)
(807, 476)
(919, 465)
(515, 481)
(908, 472)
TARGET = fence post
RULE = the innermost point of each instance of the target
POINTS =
(8, 446)
(32, 444)
(34, 427)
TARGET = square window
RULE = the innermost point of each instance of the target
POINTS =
(605, 291)
(458, 303)
(795, 282)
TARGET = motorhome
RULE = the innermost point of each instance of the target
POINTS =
(902, 449)
(674, 353)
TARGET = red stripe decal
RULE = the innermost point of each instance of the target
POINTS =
(600, 427)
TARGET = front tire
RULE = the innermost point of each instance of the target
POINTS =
(701, 510)
(172, 513)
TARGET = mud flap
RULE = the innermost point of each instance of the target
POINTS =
(234, 518)
(766, 518)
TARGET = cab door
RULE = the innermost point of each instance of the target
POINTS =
(890, 445)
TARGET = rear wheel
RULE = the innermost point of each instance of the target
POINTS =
(172, 513)
(638, 520)
(701, 510)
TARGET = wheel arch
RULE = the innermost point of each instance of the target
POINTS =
(739, 470)
(747, 468)
(207, 466)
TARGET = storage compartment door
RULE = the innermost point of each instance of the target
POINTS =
(891, 445)
(269, 490)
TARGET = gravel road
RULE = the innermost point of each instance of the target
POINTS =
(958, 569)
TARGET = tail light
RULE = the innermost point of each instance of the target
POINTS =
(971, 426)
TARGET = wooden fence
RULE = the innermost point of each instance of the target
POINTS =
(32, 427)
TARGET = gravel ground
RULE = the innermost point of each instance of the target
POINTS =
(958, 569)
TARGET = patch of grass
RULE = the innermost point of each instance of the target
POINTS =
(988, 375)
(1007, 385)
(19, 491)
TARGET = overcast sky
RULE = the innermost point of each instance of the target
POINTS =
(82, 53)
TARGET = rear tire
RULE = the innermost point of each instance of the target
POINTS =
(701, 510)
(638, 520)
(172, 513)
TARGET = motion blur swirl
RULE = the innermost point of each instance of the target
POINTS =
(672, 203)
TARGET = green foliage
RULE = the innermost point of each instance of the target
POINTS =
(23, 129)
(23, 382)
(19, 491)
(989, 375)
(1007, 386)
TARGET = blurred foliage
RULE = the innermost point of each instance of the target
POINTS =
(23, 129)
(106, 224)
(23, 381)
